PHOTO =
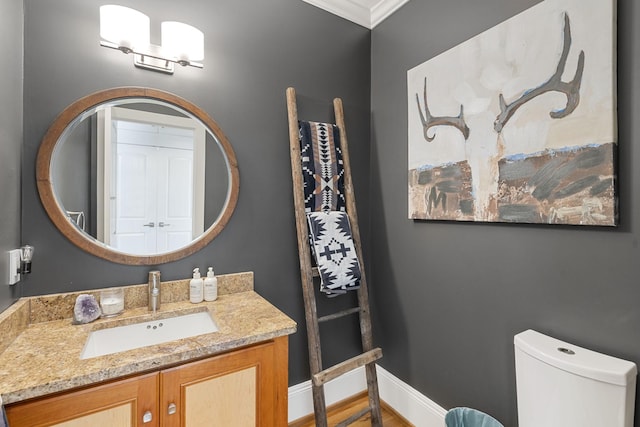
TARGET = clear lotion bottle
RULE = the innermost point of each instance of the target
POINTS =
(210, 286)
(196, 287)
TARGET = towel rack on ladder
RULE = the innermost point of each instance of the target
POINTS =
(368, 357)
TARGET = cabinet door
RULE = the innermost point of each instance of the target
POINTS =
(122, 403)
(244, 388)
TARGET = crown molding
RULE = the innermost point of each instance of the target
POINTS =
(347, 9)
(384, 9)
(356, 11)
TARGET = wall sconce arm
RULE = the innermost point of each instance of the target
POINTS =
(151, 59)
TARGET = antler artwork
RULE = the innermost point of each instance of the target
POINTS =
(555, 83)
(429, 121)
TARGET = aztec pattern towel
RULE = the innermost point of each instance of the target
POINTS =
(3, 415)
(322, 167)
(335, 254)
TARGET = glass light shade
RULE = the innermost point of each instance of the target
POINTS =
(124, 26)
(26, 253)
(182, 41)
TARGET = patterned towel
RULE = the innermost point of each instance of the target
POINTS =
(322, 167)
(3, 415)
(335, 254)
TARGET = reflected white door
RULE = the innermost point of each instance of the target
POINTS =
(134, 202)
(152, 176)
(154, 199)
(174, 199)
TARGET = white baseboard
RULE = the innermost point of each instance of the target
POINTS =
(416, 408)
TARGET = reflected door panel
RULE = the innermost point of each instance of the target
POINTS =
(154, 188)
(134, 199)
(175, 199)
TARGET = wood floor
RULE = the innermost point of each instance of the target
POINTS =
(342, 410)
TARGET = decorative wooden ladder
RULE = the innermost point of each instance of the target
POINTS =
(370, 354)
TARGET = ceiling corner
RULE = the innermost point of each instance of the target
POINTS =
(383, 9)
(367, 13)
(353, 10)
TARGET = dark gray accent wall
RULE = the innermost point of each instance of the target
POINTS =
(254, 51)
(10, 141)
(449, 297)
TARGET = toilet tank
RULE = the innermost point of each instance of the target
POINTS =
(562, 385)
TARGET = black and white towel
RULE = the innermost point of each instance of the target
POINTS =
(322, 167)
(332, 244)
(3, 415)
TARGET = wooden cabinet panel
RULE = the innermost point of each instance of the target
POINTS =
(116, 416)
(243, 388)
(227, 400)
(246, 387)
(122, 403)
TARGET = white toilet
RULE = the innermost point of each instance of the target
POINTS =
(562, 385)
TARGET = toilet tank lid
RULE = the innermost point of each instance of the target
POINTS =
(576, 360)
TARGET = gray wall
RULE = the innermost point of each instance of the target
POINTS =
(10, 141)
(71, 174)
(449, 297)
(254, 51)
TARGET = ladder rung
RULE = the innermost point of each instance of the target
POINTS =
(348, 365)
(339, 314)
(315, 272)
(354, 417)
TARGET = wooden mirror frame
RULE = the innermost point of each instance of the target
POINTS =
(85, 241)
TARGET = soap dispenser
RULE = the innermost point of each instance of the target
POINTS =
(210, 286)
(196, 287)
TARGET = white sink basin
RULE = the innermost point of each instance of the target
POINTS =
(137, 335)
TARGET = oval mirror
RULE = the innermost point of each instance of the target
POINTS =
(137, 176)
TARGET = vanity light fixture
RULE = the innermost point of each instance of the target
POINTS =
(128, 30)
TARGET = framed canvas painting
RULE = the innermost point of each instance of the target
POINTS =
(518, 124)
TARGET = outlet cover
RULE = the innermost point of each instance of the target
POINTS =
(14, 266)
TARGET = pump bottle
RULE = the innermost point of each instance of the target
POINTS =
(210, 286)
(196, 287)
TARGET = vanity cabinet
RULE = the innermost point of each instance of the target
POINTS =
(121, 403)
(245, 387)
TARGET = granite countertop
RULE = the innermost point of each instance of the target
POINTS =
(40, 354)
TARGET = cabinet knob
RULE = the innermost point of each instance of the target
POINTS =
(171, 409)
(147, 417)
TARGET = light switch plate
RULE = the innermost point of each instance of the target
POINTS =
(14, 266)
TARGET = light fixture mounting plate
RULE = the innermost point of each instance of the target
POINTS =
(151, 63)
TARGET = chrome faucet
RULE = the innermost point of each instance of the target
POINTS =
(154, 291)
